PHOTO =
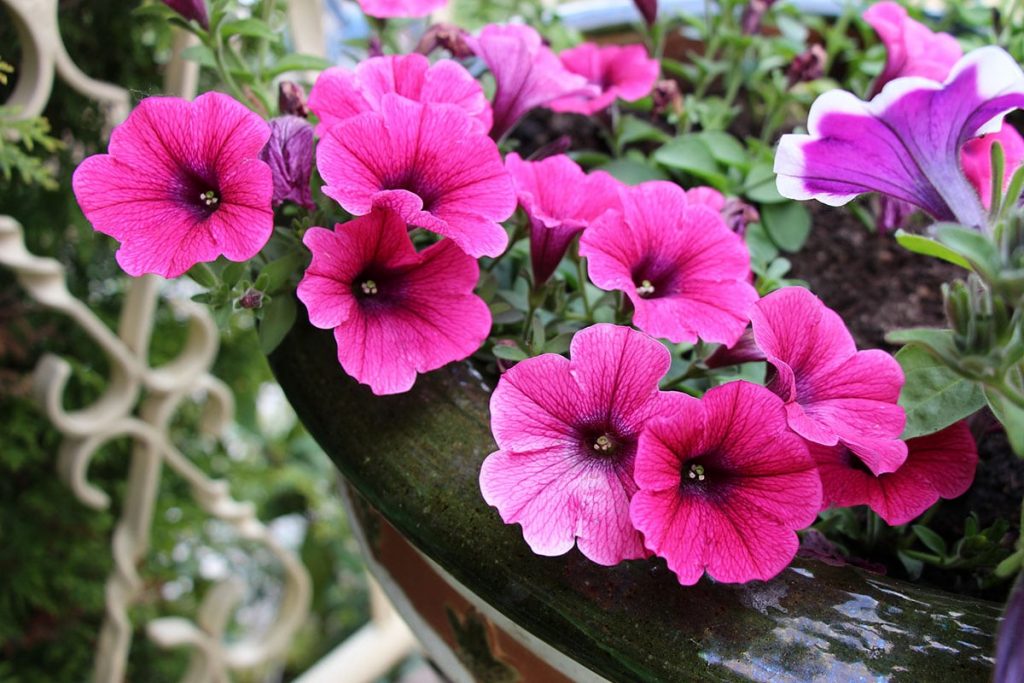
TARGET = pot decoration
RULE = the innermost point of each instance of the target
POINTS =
(413, 462)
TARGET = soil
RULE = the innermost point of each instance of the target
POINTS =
(871, 281)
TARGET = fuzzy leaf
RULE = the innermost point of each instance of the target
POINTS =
(934, 396)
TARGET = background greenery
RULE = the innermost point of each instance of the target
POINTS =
(56, 552)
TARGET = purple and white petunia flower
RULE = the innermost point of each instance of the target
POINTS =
(906, 141)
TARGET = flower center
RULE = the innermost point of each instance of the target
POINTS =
(695, 473)
(603, 444)
(369, 287)
(209, 198)
(645, 288)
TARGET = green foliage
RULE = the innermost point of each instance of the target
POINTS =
(22, 143)
(934, 396)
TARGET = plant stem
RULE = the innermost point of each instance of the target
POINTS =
(582, 278)
(266, 10)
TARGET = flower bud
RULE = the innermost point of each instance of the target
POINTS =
(289, 152)
(191, 10)
(648, 10)
(667, 97)
(753, 15)
(252, 299)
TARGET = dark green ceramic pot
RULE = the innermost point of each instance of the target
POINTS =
(487, 608)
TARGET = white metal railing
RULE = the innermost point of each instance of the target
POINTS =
(140, 401)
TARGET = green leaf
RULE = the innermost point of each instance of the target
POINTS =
(920, 244)
(509, 352)
(932, 540)
(934, 396)
(233, 272)
(973, 246)
(1011, 416)
(787, 224)
(762, 250)
(279, 271)
(725, 148)
(200, 54)
(913, 565)
(203, 275)
(936, 341)
(537, 335)
(691, 155)
(278, 317)
(633, 172)
(760, 186)
(1010, 566)
(637, 130)
(298, 62)
(251, 28)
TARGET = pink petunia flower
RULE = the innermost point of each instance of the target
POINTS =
(617, 71)
(912, 49)
(684, 270)
(340, 94)
(427, 163)
(708, 196)
(938, 465)
(182, 184)
(560, 201)
(394, 312)
(390, 9)
(567, 432)
(723, 485)
(290, 155)
(833, 392)
(976, 160)
(527, 74)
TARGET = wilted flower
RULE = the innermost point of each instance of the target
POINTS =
(938, 465)
(833, 392)
(446, 37)
(667, 97)
(389, 9)
(182, 184)
(191, 10)
(616, 71)
(567, 434)
(557, 214)
(291, 99)
(723, 485)
(738, 215)
(686, 273)
(394, 312)
(527, 74)
(290, 155)
(809, 65)
(340, 94)
(906, 141)
(427, 162)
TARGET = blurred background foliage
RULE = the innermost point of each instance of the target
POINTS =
(56, 552)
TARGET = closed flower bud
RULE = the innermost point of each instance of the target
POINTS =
(252, 299)
(446, 37)
(191, 10)
(289, 152)
(648, 10)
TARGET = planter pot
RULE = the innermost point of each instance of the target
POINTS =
(485, 607)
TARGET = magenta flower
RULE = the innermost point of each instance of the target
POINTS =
(905, 142)
(976, 159)
(616, 71)
(182, 184)
(191, 10)
(427, 163)
(723, 485)
(560, 201)
(567, 432)
(938, 465)
(706, 196)
(290, 155)
(394, 312)
(527, 74)
(340, 94)
(389, 9)
(686, 273)
(912, 49)
(648, 10)
(833, 392)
